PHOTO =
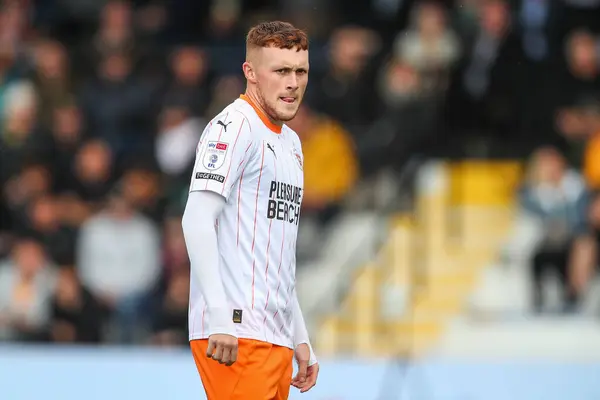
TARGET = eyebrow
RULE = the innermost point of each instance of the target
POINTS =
(297, 68)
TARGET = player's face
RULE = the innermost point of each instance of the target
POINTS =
(282, 76)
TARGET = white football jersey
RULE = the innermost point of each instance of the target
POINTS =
(257, 167)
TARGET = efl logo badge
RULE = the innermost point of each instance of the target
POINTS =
(214, 156)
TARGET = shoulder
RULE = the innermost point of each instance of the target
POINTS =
(238, 113)
(233, 122)
(228, 135)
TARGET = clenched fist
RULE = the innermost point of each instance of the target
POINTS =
(222, 348)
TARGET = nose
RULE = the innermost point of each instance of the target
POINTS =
(292, 82)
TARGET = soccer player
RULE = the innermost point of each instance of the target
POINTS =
(240, 226)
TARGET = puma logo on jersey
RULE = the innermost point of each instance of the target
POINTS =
(224, 125)
(237, 316)
(272, 149)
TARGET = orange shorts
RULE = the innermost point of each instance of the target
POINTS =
(263, 371)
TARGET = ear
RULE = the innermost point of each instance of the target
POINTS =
(249, 72)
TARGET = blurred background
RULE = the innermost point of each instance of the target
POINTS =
(451, 221)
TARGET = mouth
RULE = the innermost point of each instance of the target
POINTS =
(288, 100)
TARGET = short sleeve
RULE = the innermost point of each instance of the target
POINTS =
(224, 149)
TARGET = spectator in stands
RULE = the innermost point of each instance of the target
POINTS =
(44, 219)
(93, 172)
(556, 197)
(17, 125)
(413, 84)
(581, 77)
(594, 219)
(486, 89)
(343, 92)
(579, 125)
(330, 165)
(51, 78)
(223, 25)
(118, 260)
(33, 181)
(538, 20)
(175, 146)
(115, 31)
(116, 103)
(189, 86)
(331, 170)
(586, 249)
(429, 46)
(573, 90)
(62, 143)
(10, 74)
(76, 316)
(543, 51)
(26, 285)
(6, 67)
(72, 212)
(14, 23)
(141, 190)
(570, 123)
(226, 88)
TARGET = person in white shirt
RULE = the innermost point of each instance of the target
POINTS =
(240, 226)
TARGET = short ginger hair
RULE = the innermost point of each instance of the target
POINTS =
(278, 34)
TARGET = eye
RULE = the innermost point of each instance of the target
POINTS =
(282, 71)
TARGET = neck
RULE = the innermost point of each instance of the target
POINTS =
(253, 96)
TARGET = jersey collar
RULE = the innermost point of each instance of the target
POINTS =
(273, 127)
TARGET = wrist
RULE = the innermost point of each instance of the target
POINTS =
(220, 321)
(312, 358)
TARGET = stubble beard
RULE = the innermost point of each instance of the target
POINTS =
(272, 110)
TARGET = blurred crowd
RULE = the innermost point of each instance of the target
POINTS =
(102, 103)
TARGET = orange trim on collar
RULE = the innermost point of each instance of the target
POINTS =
(263, 117)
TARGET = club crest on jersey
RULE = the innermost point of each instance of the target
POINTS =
(298, 158)
(214, 156)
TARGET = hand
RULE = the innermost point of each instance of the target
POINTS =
(306, 378)
(222, 348)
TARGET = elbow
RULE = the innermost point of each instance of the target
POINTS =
(196, 227)
(187, 226)
(190, 220)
